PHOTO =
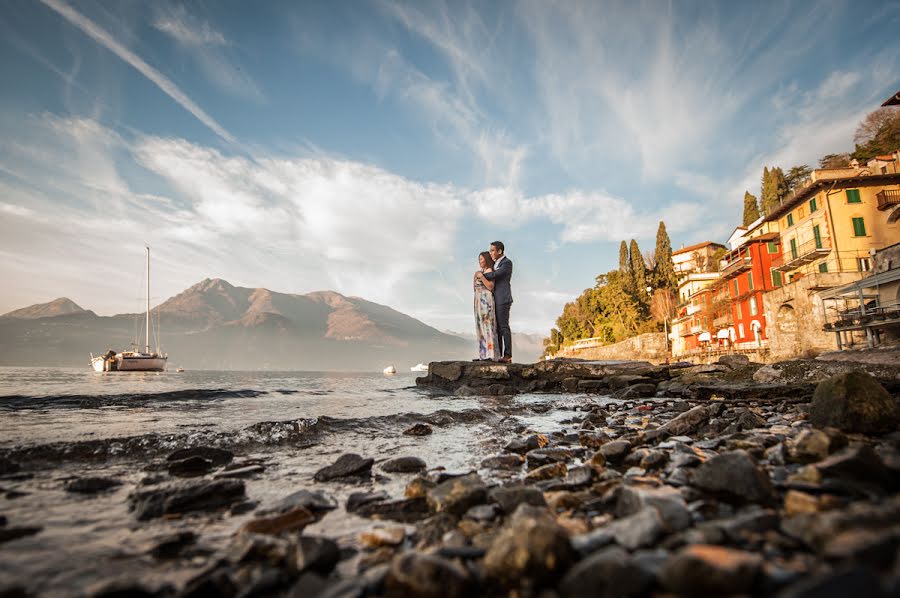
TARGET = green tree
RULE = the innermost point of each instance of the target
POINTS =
(834, 161)
(877, 134)
(664, 275)
(638, 272)
(796, 175)
(774, 189)
(751, 208)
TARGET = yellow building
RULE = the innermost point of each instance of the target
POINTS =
(830, 228)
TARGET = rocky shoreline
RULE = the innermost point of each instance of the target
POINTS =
(723, 479)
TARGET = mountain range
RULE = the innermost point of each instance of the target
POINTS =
(215, 325)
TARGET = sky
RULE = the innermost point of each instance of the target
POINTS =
(375, 148)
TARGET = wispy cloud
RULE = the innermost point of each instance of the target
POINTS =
(209, 48)
(105, 39)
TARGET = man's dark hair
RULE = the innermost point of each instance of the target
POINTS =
(499, 245)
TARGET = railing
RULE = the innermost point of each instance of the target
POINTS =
(723, 321)
(736, 265)
(805, 253)
(888, 198)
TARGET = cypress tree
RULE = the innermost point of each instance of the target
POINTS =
(638, 272)
(665, 267)
(774, 188)
(624, 267)
(751, 208)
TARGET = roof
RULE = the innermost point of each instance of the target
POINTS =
(804, 193)
(696, 246)
(894, 100)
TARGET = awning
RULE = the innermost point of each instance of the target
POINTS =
(722, 333)
(704, 337)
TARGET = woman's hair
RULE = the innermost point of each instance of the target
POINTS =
(488, 262)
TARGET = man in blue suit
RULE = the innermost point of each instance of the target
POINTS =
(501, 277)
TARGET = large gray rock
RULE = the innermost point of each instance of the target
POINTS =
(702, 570)
(735, 475)
(457, 495)
(417, 574)
(853, 402)
(511, 496)
(347, 465)
(608, 573)
(666, 500)
(185, 497)
(684, 425)
(639, 530)
(403, 465)
(530, 546)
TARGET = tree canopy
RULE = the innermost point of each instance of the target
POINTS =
(751, 208)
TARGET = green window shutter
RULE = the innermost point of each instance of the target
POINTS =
(812, 205)
(750, 280)
(794, 248)
(790, 220)
(776, 278)
(818, 236)
(859, 227)
(736, 292)
(772, 247)
(853, 196)
(823, 267)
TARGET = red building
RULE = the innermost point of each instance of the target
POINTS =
(747, 273)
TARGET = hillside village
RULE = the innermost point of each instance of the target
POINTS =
(817, 271)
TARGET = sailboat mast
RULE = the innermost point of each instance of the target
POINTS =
(148, 301)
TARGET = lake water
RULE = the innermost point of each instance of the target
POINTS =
(65, 423)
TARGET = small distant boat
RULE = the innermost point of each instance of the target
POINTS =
(419, 368)
(134, 360)
(390, 370)
(179, 370)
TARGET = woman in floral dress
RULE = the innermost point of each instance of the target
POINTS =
(485, 318)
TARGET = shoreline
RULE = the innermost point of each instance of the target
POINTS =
(677, 478)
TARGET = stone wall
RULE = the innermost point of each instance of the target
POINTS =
(796, 315)
(645, 347)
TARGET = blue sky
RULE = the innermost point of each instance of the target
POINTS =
(374, 148)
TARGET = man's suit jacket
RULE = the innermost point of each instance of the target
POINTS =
(501, 278)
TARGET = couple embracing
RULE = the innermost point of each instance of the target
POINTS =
(493, 298)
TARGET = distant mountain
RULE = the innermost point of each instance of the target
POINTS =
(58, 307)
(215, 325)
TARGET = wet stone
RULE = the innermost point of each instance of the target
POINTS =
(734, 475)
(543, 456)
(704, 569)
(511, 496)
(546, 472)
(358, 499)
(608, 573)
(170, 546)
(347, 465)
(593, 440)
(418, 574)
(316, 554)
(185, 497)
(241, 472)
(403, 465)
(7, 534)
(853, 402)
(457, 495)
(313, 500)
(858, 465)
(809, 446)
(638, 530)
(219, 457)
(190, 467)
(483, 512)
(418, 430)
(509, 461)
(524, 445)
(531, 546)
(92, 485)
(408, 510)
(293, 520)
(615, 451)
(667, 501)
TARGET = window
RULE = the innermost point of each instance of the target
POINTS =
(790, 220)
(750, 280)
(817, 236)
(753, 309)
(772, 247)
(800, 212)
(794, 248)
(859, 227)
(853, 196)
(863, 264)
(736, 291)
(776, 278)
(823, 267)
(812, 205)
(740, 331)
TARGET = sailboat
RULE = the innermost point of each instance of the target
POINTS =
(134, 360)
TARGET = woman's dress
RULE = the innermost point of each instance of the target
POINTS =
(485, 322)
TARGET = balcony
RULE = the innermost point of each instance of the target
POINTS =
(804, 254)
(739, 264)
(888, 198)
(723, 321)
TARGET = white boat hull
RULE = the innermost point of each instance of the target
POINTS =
(130, 363)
